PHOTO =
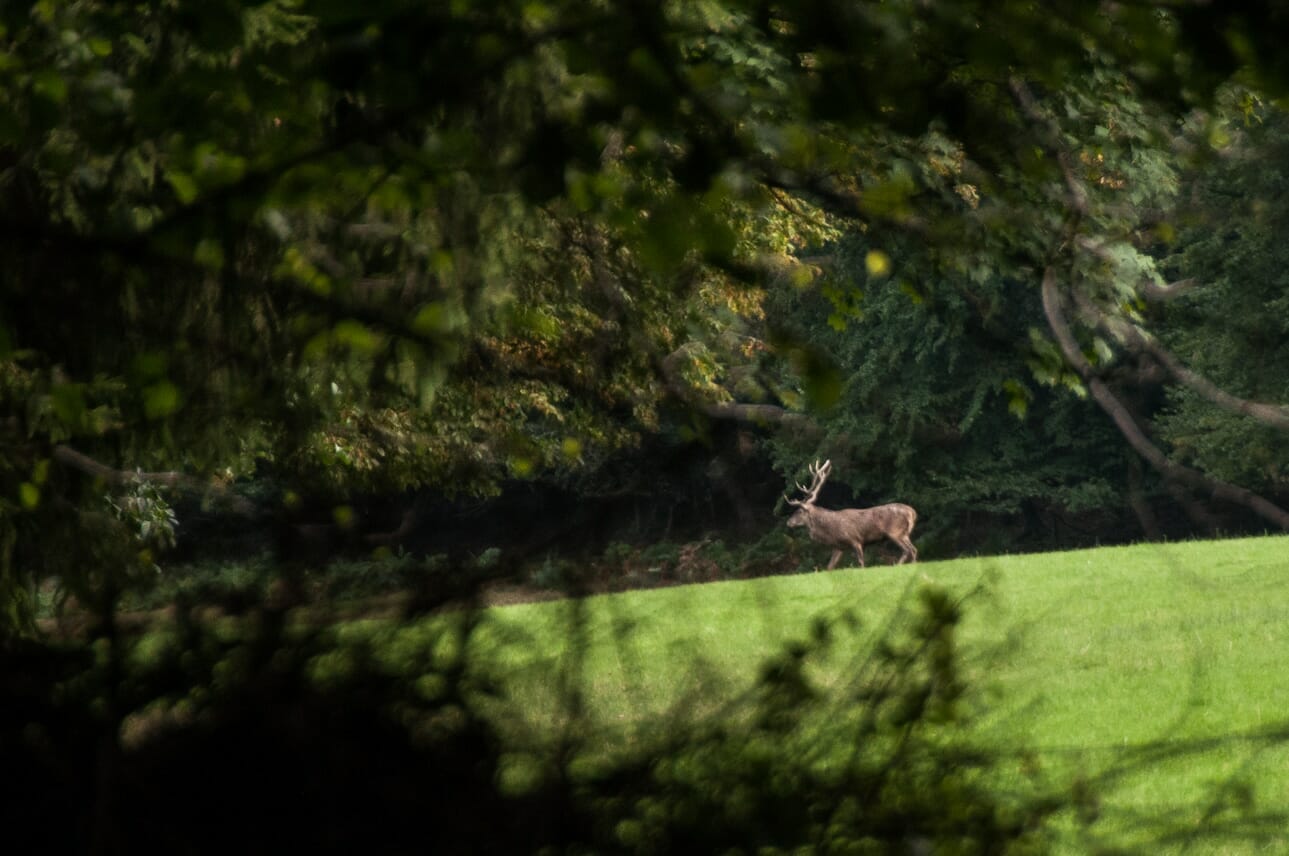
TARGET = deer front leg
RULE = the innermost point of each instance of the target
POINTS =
(836, 554)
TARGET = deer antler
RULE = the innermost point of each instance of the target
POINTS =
(818, 475)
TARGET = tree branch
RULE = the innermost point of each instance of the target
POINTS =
(759, 414)
(1172, 290)
(1078, 203)
(1024, 99)
(1128, 426)
(1276, 416)
(69, 457)
(1145, 287)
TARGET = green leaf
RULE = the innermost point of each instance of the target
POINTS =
(51, 85)
(356, 336)
(161, 400)
(801, 276)
(431, 319)
(1104, 353)
(909, 289)
(666, 237)
(1018, 398)
(209, 254)
(185, 188)
(28, 495)
(890, 198)
(68, 401)
(820, 379)
(149, 365)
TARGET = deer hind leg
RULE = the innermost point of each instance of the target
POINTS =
(910, 552)
(832, 563)
(859, 552)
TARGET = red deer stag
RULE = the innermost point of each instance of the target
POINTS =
(851, 527)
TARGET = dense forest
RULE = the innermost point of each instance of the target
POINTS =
(529, 291)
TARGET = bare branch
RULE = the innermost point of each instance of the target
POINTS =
(1128, 426)
(69, 457)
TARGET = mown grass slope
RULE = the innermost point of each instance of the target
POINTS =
(1155, 672)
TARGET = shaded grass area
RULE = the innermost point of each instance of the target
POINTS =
(1119, 698)
(1154, 674)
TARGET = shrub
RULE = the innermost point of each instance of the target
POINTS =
(358, 578)
(389, 740)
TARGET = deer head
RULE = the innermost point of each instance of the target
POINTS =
(818, 475)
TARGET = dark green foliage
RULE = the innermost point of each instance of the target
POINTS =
(259, 738)
(401, 247)
(937, 408)
(1234, 327)
(871, 767)
(396, 246)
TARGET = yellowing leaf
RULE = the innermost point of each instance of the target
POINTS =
(877, 263)
(28, 495)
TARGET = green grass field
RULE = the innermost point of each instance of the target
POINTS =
(1157, 671)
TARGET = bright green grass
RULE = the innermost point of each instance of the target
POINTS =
(1084, 657)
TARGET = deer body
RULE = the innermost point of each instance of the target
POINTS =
(851, 528)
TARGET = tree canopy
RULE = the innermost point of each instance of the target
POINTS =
(445, 246)
(1007, 261)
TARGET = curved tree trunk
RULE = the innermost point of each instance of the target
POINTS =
(1131, 431)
